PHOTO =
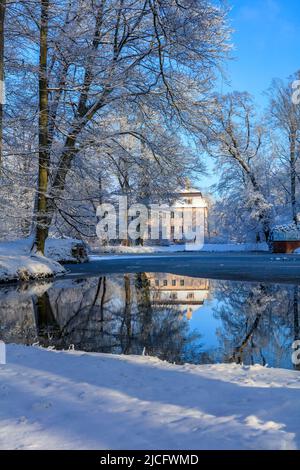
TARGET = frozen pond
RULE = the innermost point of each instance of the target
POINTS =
(175, 317)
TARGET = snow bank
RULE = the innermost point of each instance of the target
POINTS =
(16, 262)
(66, 250)
(73, 400)
(210, 248)
(25, 268)
(58, 249)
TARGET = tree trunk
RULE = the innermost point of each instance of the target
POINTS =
(48, 329)
(293, 177)
(102, 305)
(143, 299)
(296, 318)
(238, 353)
(263, 216)
(42, 223)
(2, 95)
(127, 316)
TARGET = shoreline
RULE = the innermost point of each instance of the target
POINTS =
(237, 266)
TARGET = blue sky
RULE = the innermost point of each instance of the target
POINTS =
(266, 43)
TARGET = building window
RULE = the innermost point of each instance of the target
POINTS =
(190, 295)
(173, 296)
(182, 282)
(174, 282)
(172, 215)
(157, 283)
(165, 282)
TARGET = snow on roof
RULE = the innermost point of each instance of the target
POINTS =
(288, 232)
(197, 202)
(190, 191)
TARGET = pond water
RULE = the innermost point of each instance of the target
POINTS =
(177, 318)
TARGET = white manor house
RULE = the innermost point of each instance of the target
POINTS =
(188, 199)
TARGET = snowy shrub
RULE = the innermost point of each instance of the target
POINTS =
(289, 232)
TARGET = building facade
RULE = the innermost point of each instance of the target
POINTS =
(188, 205)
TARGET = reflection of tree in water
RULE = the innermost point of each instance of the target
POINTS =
(162, 330)
(148, 329)
(145, 317)
(126, 322)
(296, 319)
(112, 315)
(83, 320)
(47, 328)
(17, 323)
(17, 328)
(259, 322)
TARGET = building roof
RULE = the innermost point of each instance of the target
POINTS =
(189, 191)
(192, 193)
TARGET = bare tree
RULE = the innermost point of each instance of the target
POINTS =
(2, 18)
(285, 116)
(135, 52)
(44, 161)
(95, 60)
(236, 140)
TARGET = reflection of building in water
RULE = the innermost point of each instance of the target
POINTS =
(187, 293)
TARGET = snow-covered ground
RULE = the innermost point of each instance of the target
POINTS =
(16, 262)
(24, 268)
(58, 249)
(73, 400)
(219, 248)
